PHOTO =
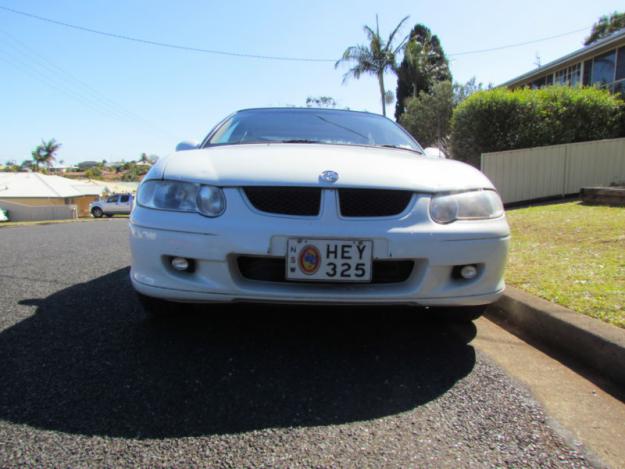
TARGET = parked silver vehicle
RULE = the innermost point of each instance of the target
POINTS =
(316, 206)
(112, 205)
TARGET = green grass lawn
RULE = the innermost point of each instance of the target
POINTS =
(573, 255)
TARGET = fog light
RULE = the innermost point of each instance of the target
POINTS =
(180, 264)
(468, 272)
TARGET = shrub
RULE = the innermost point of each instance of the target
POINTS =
(427, 116)
(133, 174)
(134, 171)
(503, 119)
(93, 173)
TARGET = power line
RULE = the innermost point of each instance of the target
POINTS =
(518, 44)
(75, 86)
(46, 79)
(50, 76)
(34, 71)
(164, 44)
(255, 56)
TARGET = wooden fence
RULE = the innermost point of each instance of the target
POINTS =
(558, 170)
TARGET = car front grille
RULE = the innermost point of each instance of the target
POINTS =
(272, 269)
(373, 202)
(306, 201)
(302, 201)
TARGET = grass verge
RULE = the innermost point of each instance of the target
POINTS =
(573, 255)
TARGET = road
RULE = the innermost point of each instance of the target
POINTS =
(87, 380)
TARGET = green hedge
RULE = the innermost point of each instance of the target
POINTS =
(502, 119)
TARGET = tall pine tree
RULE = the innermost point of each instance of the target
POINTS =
(424, 64)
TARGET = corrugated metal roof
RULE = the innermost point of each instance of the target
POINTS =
(42, 185)
(119, 187)
(615, 37)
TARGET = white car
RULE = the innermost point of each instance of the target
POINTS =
(316, 206)
(112, 205)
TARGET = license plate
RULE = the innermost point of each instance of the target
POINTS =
(329, 260)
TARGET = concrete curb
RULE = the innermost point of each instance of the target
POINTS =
(594, 343)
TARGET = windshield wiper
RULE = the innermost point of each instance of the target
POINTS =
(298, 140)
(401, 147)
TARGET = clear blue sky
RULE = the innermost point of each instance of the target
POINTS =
(105, 98)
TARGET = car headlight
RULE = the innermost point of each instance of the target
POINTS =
(182, 197)
(211, 201)
(470, 205)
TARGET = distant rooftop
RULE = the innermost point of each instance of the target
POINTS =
(38, 185)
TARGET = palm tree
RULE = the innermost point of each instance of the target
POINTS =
(45, 153)
(375, 59)
(144, 159)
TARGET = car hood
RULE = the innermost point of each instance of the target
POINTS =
(285, 164)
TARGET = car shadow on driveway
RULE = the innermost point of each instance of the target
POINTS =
(89, 362)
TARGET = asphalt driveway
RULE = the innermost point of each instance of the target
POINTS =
(87, 379)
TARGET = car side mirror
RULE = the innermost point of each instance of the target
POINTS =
(186, 145)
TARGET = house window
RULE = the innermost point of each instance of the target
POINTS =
(538, 83)
(603, 68)
(575, 74)
(587, 72)
(620, 64)
(561, 77)
(569, 76)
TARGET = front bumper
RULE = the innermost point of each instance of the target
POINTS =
(215, 244)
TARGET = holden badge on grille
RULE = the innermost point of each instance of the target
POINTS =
(329, 176)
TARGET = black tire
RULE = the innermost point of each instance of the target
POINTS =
(97, 212)
(155, 307)
(460, 313)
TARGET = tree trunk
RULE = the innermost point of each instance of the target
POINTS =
(382, 92)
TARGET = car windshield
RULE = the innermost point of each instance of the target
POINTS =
(311, 126)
